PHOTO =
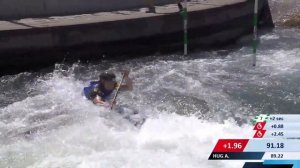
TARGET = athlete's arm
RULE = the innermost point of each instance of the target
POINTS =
(98, 101)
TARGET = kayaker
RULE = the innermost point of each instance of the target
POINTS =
(100, 92)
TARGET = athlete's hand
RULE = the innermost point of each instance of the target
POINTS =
(98, 101)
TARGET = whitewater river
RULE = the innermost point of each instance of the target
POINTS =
(190, 104)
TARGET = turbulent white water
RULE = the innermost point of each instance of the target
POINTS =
(190, 104)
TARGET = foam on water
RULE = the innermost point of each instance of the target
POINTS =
(190, 103)
(58, 128)
(166, 141)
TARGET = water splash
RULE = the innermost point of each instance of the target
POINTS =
(190, 103)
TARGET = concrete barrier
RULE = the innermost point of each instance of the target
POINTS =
(14, 9)
(39, 43)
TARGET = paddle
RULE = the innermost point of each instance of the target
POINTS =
(117, 92)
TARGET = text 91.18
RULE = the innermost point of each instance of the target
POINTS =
(275, 145)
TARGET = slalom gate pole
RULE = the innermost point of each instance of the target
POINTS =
(255, 19)
(185, 31)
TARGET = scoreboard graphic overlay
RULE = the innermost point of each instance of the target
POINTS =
(275, 143)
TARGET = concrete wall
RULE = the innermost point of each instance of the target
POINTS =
(40, 47)
(13, 9)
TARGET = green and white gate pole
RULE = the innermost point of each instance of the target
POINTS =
(185, 31)
(255, 32)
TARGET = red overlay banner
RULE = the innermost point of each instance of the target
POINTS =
(231, 145)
